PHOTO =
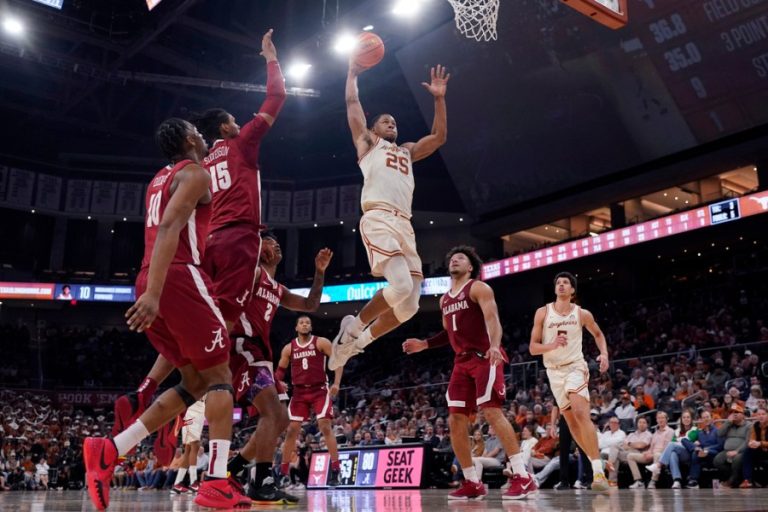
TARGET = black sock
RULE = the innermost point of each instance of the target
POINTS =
(263, 470)
(236, 464)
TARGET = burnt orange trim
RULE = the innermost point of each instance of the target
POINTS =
(373, 146)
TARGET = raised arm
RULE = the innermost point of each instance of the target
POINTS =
(429, 144)
(275, 99)
(310, 303)
(588, 321)
(355, 114)
(192, 185)
(483, 295)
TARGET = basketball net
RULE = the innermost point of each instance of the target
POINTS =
(476, 19)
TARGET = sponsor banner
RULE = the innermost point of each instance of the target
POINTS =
(31, 291)
(371, 466)
(670, 225)
(400, 467)
(87, 398)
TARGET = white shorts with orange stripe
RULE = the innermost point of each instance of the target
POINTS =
(567, 379)
(386, 234)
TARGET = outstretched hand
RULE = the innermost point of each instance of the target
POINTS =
(438, 82)
(268, 50)
(413, 345)
(323, 259)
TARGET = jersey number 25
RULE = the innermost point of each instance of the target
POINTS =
(398, 163)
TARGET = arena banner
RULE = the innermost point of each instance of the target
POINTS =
(401, 466)
(678, 223)
(86, 398)
(29, 291)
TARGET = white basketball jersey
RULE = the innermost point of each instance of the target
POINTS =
(387, 177)
(569, 323)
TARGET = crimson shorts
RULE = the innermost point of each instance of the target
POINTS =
(306, 400)
(252, 369)
(475, 383)
(231, 258)
(189, 328)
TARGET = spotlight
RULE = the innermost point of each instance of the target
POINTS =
(13, 26)
(345, 44)
(368, 28)
(407, 8)
(298, 70)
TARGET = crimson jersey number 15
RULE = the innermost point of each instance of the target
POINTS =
(398, 163)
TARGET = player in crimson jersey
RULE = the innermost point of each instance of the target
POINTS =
(180, 317)
(232, 248)
(232, 252)
(251, 364)
(307, 354)
(471, 326)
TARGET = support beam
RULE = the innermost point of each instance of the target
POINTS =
(254, 43)
(139, 44)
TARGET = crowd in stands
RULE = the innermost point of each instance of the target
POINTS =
(675, 357)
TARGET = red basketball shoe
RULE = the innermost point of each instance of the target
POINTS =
(100, 456)
(219, 493)
(520, 487)
(469, 491)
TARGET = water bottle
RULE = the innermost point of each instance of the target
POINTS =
(715, 483)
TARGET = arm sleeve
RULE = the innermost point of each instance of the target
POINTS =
(438, 340)
(256, 128)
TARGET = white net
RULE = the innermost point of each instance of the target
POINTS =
(476, 19)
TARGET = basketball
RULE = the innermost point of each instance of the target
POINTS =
(370, 50)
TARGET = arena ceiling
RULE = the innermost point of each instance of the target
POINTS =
(85, 86)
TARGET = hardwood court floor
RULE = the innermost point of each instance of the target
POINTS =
(704, 500)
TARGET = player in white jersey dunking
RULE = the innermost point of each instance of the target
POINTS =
(557, 336)
(385, 227)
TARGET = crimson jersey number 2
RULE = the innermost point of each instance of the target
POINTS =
(398, 163)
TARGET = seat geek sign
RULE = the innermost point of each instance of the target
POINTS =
(371, 466)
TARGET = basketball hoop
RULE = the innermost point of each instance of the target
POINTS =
(476, 19)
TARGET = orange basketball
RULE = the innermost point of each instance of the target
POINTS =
(369, 51)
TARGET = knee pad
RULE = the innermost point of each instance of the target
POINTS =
(185, 395)
(399, 289)
(222, 387)
(406, 309)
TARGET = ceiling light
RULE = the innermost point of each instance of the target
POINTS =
(461, 219)
(13, 26)
(368, 28)
(345, 44)
(298, 70)
(406, 8)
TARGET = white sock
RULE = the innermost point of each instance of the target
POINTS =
(356, 327)
(470, 474)
(364, 339)
(218, 451)
(597, 467)
(130, 437)
(180, 476)
(192, 475)
(516, 461)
